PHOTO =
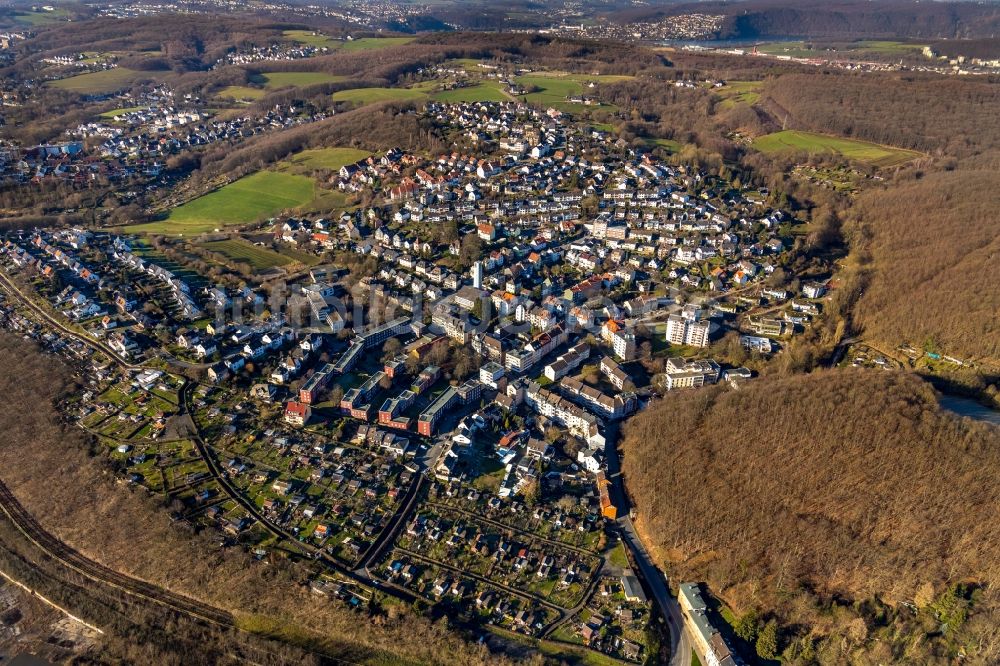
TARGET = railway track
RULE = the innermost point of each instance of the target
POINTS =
(8, 285)
(65, 554)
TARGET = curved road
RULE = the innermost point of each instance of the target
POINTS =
(680, 641)
(234, 493)
(200, 444)
(12, 289)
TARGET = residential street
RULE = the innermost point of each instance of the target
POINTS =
(679, 640)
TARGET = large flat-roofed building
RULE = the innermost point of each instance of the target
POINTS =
(684, 331)
(350, 357)
(429, 418)
(682, 373)
(390, 413)
(383, 332)
(460, 395)
(311, 389)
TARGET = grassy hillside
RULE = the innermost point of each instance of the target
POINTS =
(259, 258)
(932, 246)
(862, 151)
(483, 92)
(373, 43)
(828, 501)
(372, 95)
(327, 158)
(245, 200)
(104, 81)
(275, 80)
(923, 114)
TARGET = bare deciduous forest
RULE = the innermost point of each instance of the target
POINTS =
(932, 246)
(833, 501)
(942, 116)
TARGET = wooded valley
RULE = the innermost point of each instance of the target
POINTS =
(845, 504)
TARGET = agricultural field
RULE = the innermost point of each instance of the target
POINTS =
(370, 43)
(739, 92)
(246, 200)
(862, 151)
(373, 95)
(556, 89)
(325, 158)
(41, 17)
(884, 47)
(792, 49)
(483, 92)
(310, 38)
(318, 40)
(240, 93)
(104, 81)
(468, 64)
(275, 80)
(241, 251)
(667, 144)
(800, 49)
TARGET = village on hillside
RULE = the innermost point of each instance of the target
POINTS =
(433, 412)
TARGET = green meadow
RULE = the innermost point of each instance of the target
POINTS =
(238, 250)
(483, 92)
(555, 89)
(275, 80)
(326, 158)
(310, 38)
(373, 95)
(248, 199)
(318, 40)
(862, 151)
(370, 43)
(95, 83)
(240, 92)
(739, 92)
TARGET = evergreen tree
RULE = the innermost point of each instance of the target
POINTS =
(767, 641)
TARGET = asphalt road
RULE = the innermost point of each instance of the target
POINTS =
(680, 642)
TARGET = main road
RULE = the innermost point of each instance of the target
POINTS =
(680, 641)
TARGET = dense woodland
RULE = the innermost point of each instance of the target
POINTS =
(943, 116)
(60, 478)
(844, 504)
(931, 246)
